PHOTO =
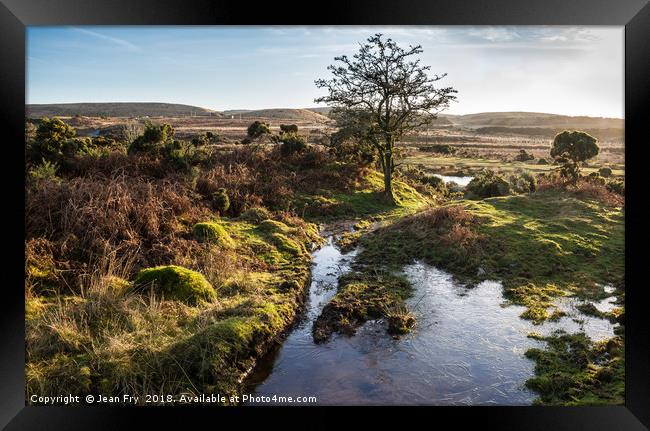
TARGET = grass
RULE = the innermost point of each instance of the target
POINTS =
(575, 371)
(364, 202)
(115, 341)
(467, 165)
(540, 245)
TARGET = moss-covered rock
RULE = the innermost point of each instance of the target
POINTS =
(286, 244)
(273, 226)
(212, 232)
(176, 282)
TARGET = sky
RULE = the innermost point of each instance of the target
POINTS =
(554, 69)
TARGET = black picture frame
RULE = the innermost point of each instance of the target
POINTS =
(15, 15)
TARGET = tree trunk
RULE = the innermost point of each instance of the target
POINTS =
(388, 167)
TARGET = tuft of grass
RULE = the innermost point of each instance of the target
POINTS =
(576, 371)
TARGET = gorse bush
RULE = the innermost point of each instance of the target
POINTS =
(487, 184)
(288, 128)
(523, 182)
(524, 156)
(605, 172)
(292, 144)
(257, 129)
(153, 140)
(46, 171)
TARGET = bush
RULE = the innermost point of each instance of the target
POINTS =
(176, 282)
(289, 128)
(46, 171)
(153, 140)
(212, 232)
(487, 184)
(524, 156)
(523, 182)
(616, 186)
(220, 201)
(292, 144)
(50, 141)
(542, 161)
(438, 148)
(438, 184)
(257, 129)
(605, 172)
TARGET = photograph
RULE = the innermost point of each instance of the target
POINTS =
(325, 215)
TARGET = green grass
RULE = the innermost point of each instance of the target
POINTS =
(540, 246)
(452, 164)
(366, 201)
(575, 371)
(118, 341)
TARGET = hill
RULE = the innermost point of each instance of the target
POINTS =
(305, 115)
(117, 109)
(533, 119)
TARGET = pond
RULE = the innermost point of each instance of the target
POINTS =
(467, 348)
(461, 181)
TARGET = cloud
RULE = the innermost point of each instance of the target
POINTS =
(494, 34)
(114, 40)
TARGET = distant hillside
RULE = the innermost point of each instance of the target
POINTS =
(280, 114)
(533, 119)
(118, 109)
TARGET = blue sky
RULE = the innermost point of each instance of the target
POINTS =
(564, 70)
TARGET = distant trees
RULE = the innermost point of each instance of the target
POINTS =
(389, 91)
(572, 148)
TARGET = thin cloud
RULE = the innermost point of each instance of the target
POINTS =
(117, 41)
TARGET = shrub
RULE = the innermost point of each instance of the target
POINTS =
(220, 201)
(292, 144)
(487, 184)
(257, 129)
(289, 128)
(46, 171)
(542, 161)
(212, 232)
(616, 186)
(50, 141)
(176, 282)
(439, 148)
(153, 139)
(438, 184)
(524, 156)
(605, 172)
(523, 182)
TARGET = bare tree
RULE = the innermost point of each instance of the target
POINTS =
(383, 82)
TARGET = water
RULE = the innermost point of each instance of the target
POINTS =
(461, 181)
(467, 348)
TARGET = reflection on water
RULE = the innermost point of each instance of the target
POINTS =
(461, 181)
(467, 349)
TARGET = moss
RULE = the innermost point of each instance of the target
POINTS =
(175, 282)
(362, 297)
(34, 307)
(575, 371)
(273, 226)
(212, 232)
(255, 215)
(286, 244)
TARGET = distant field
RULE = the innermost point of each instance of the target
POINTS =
(452, 165)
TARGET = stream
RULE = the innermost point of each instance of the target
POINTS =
(467, 347)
